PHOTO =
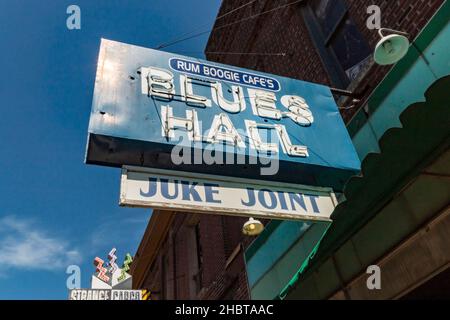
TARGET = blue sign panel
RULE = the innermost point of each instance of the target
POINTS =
(166, 111)
(224, 74)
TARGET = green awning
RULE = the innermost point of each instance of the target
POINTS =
(405, 151)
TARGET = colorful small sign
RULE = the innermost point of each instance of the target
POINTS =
(110, 275)
(125, 267)
(101, 270)
(110, 282)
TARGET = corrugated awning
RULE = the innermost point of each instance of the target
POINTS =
(404, 152)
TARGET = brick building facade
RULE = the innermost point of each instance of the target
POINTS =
(197, 257)
(306, 33)
(202, 256)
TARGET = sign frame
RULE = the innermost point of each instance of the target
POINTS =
(296, 125)
(195, 208)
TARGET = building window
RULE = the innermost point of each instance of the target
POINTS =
(341, 46)
(329, 14)
(351, 49)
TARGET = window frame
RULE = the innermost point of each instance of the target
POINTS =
(322, 42)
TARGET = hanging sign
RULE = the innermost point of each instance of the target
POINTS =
(162, 110)
(189, 192)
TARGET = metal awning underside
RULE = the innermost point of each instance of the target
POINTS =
(404, 153)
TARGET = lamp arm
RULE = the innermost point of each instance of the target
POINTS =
(380, 31)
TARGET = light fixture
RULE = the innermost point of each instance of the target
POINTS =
(392, 48)
(252, 227)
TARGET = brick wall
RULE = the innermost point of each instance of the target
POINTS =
(222, 276)
(281, 31)
(285, 31)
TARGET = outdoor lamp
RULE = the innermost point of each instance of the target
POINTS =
(392, 48)
(252, 227)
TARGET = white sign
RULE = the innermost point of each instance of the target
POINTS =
(105, 294)
(193, 192)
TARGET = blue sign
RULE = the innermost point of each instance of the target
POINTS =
(166, 111)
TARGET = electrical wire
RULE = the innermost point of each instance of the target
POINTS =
(282, 54)
(234, 10)
(277, 54)
(206, 24)
(226, 25)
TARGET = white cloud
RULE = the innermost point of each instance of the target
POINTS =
(119, 231)
(23, 246)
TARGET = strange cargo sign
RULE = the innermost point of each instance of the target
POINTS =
(193, 192)
(162, 110)
(105, 294)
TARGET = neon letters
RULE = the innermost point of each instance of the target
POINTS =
(258, 94)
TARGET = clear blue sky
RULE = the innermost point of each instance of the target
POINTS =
(54, 209)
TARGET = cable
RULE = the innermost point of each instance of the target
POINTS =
(226, 25)
(203, 25)
(282, 54)
(248, 53)
(234, 10)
